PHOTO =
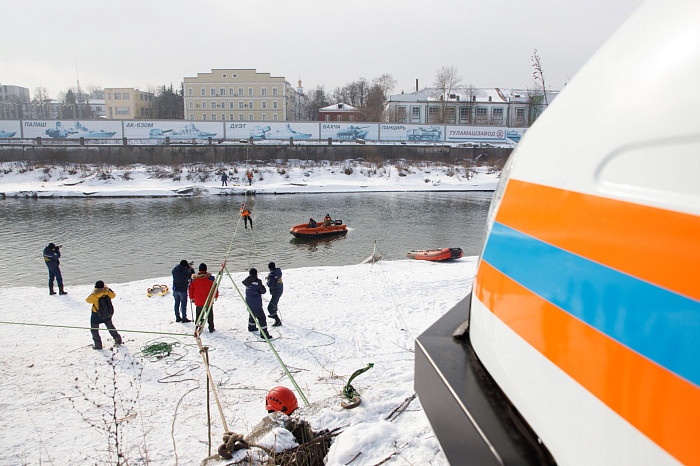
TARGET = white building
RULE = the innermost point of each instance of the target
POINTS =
(468, 106)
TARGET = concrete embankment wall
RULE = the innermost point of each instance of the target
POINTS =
(121, 155)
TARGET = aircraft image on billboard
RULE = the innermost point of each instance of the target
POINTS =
(264, 132)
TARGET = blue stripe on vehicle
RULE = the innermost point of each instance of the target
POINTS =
(655, 322)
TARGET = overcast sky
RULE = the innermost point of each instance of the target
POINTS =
(147, 43)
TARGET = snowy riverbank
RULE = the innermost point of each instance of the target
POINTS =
(54, 409)
(42, 180)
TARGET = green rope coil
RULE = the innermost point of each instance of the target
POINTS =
(158, 350)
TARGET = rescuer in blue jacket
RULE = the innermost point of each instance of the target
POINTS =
(254, 290)
(274, 283)
(51, 256)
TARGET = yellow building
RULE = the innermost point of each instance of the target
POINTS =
(123, 103)
(243, 95)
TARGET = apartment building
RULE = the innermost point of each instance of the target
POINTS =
(243, 95)
(123, 103)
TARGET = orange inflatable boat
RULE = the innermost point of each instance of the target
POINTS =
(305, 231)
(436, 254)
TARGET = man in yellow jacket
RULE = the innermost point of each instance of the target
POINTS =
(101, 290)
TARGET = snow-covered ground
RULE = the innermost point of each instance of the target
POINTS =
(56, 401)
(26, 179)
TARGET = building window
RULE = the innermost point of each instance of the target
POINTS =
(109, 96)
(203, 92)
(250, 105)
(117, 96)
(339, 118)
(204, 105)
(450, 115)
(126, 96)
(213, 105)
(250, 116)
(230, 116)
(520, 115)
(351, 117)
(401, 114)
(204, 116)
(415, 113)
(240, 117)
(189, 91)
(250, 91)
(230, 91)
(274, 117)
(223, 105)
(212, 91)
(240, 91)
(222, 92)
(497, 115)
(223, 116)
(328, 118)
(264, 105)
(433, 114)
(274, 91)
(191, 105)
(241, 105)
(230, 105)
(481, 114)
(264, 117)
(123, 111)
(213, 116)
(191, 116)
(464, 114)
(274, 105)
(263, 91)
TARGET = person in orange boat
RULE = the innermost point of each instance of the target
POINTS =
(312, 223)
(327, 220)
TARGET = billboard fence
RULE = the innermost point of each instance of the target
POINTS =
(186, 130)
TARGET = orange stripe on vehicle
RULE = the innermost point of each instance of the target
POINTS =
(662, 406)
(656, 245)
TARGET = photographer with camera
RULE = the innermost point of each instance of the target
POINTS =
(51, 256)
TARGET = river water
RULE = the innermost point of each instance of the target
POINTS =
(127, 239)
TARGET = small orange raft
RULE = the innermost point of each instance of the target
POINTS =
(305, 231)
(436, 254)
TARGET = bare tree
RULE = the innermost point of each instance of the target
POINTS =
(318, 100)
(40, 103)
(538, 75)
(447, 81)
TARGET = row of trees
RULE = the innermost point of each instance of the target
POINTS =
(369, 97)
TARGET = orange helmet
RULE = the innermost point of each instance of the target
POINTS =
(281, 399)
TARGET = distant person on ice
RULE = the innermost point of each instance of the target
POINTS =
(182, 274)
(254, 290)
(274, 283)
(249, 175)
(245, 213)
(51, 256)
(95, 316)
(224, 177)
(202, 283)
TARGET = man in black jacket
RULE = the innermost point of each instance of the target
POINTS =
(182, 274)
(51, 256)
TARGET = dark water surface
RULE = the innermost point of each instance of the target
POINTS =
(121, 240)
